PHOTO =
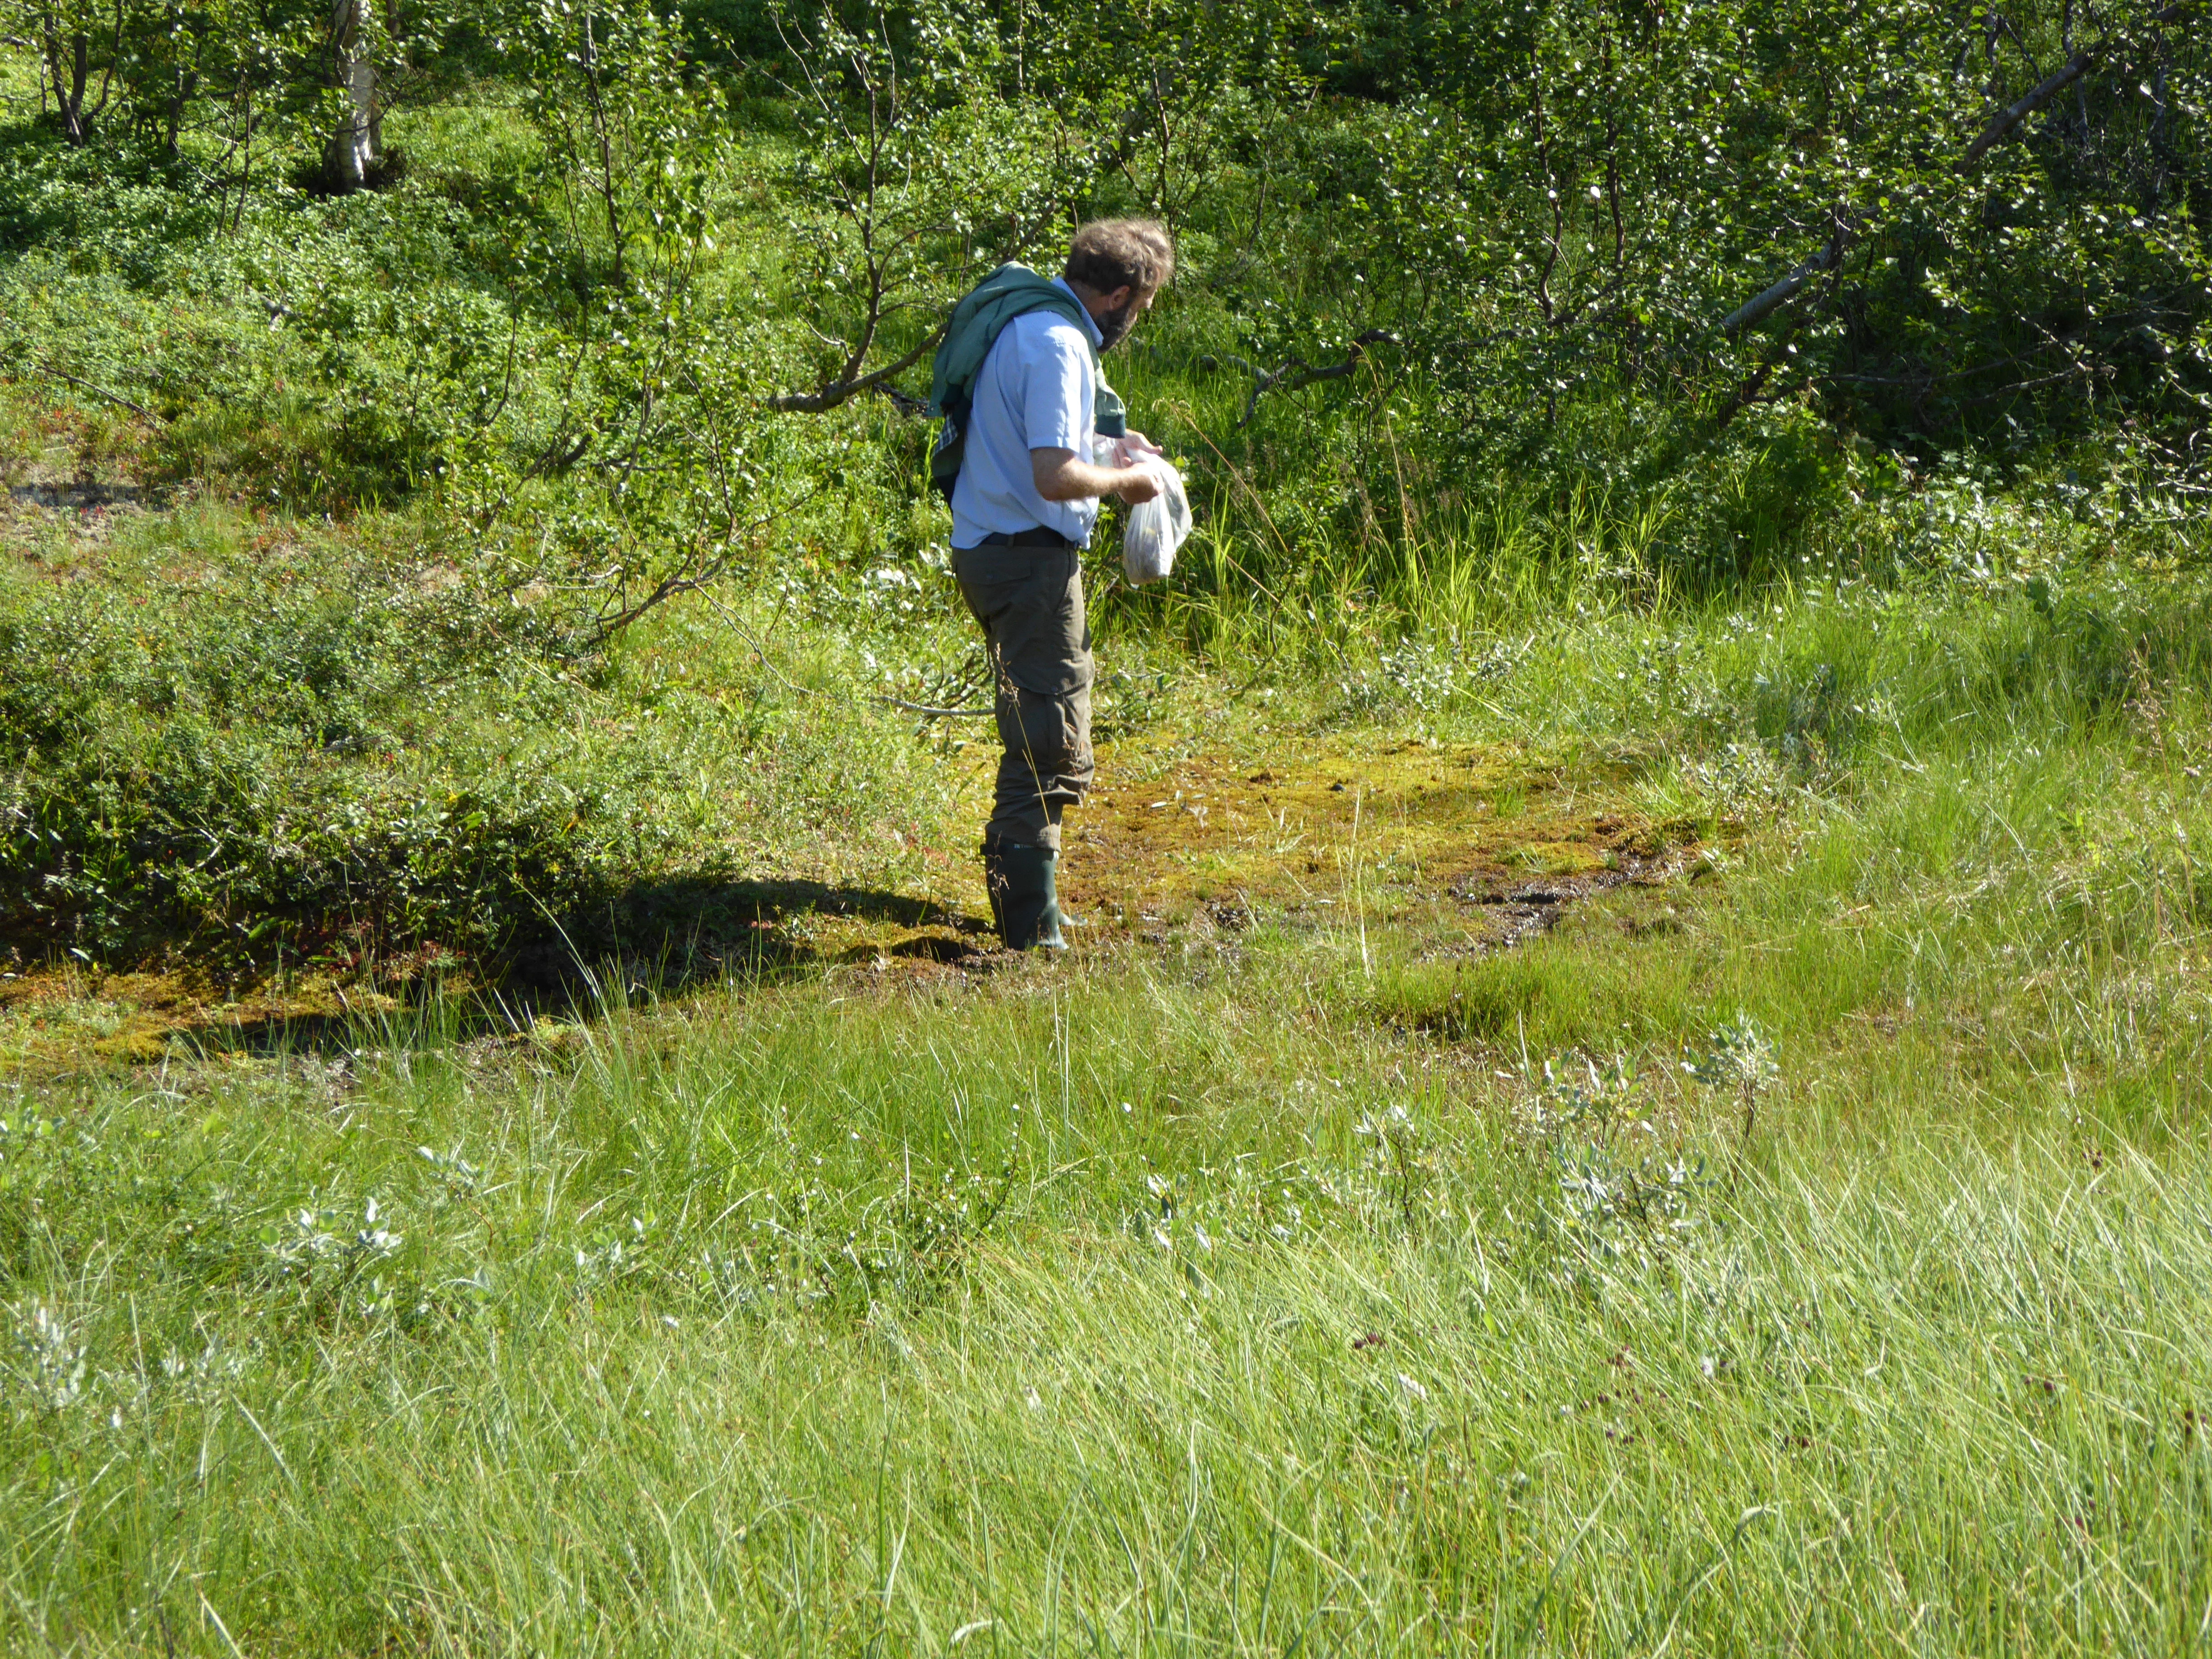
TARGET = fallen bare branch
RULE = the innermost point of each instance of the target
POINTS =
(2048, 89)
(2012, 114)
(139, 409)
(933, 714)
(1767, 298)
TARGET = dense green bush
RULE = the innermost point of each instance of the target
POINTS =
(336, 754)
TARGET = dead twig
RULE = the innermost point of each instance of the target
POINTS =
(933, 714)
(139, 409)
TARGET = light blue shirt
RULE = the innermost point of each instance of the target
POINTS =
(1036, 391)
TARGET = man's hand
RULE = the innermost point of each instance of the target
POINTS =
(1060, 477)
(1144, 484)
(1134, 446)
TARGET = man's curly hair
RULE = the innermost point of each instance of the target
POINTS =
(1110, 253)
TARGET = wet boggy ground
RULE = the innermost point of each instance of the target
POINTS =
(1455, 848)
(1449, 849)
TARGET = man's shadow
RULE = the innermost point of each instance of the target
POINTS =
(695, 929)
(646, 941)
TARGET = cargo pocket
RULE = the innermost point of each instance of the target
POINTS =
(1046, 735)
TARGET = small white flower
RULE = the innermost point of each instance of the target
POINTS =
(1411, 1387)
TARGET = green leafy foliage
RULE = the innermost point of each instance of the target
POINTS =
(1461, 340)
(259, 761)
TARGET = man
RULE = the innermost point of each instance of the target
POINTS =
(1018, 379)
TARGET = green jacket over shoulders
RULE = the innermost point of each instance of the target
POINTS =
(1009, 292)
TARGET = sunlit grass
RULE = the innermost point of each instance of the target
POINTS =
(1809, 1251)
(888, 1317)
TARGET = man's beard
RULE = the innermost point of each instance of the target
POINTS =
(1115, 325)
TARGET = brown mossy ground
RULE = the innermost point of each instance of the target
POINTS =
(1443, 848)
(1404, 832)
(57, 1019)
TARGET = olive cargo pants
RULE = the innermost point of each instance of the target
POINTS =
(1029, 601)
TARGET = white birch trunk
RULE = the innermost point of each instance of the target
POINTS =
(353, 146)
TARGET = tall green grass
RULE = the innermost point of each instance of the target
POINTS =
(1810, 1252)
(1927, 820)
(793, 1325)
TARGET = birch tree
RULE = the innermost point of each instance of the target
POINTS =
(349, 159)
(922, 167)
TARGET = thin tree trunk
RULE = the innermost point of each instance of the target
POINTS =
(352, 150)
(67, 68)
(71, 56)
(603, 136)
(245, 168)
(188, 83)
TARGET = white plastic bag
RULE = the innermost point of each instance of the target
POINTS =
(1157, 528)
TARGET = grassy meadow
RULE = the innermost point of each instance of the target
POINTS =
(1802, 1246)
(1633, 1078)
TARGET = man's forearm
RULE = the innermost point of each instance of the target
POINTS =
(1060, 476)
(1079, 481)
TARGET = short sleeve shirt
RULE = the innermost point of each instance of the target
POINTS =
(1036, 390)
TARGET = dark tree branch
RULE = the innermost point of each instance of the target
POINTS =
(559, 455)
(1299, 373)
(139, 409)
(2072, 372)
(698, 580)
(833, 392)
(1551, 189)
(1749, 393)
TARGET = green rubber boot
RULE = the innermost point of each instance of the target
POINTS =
(1024, 902)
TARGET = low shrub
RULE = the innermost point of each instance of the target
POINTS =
(320, 751)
